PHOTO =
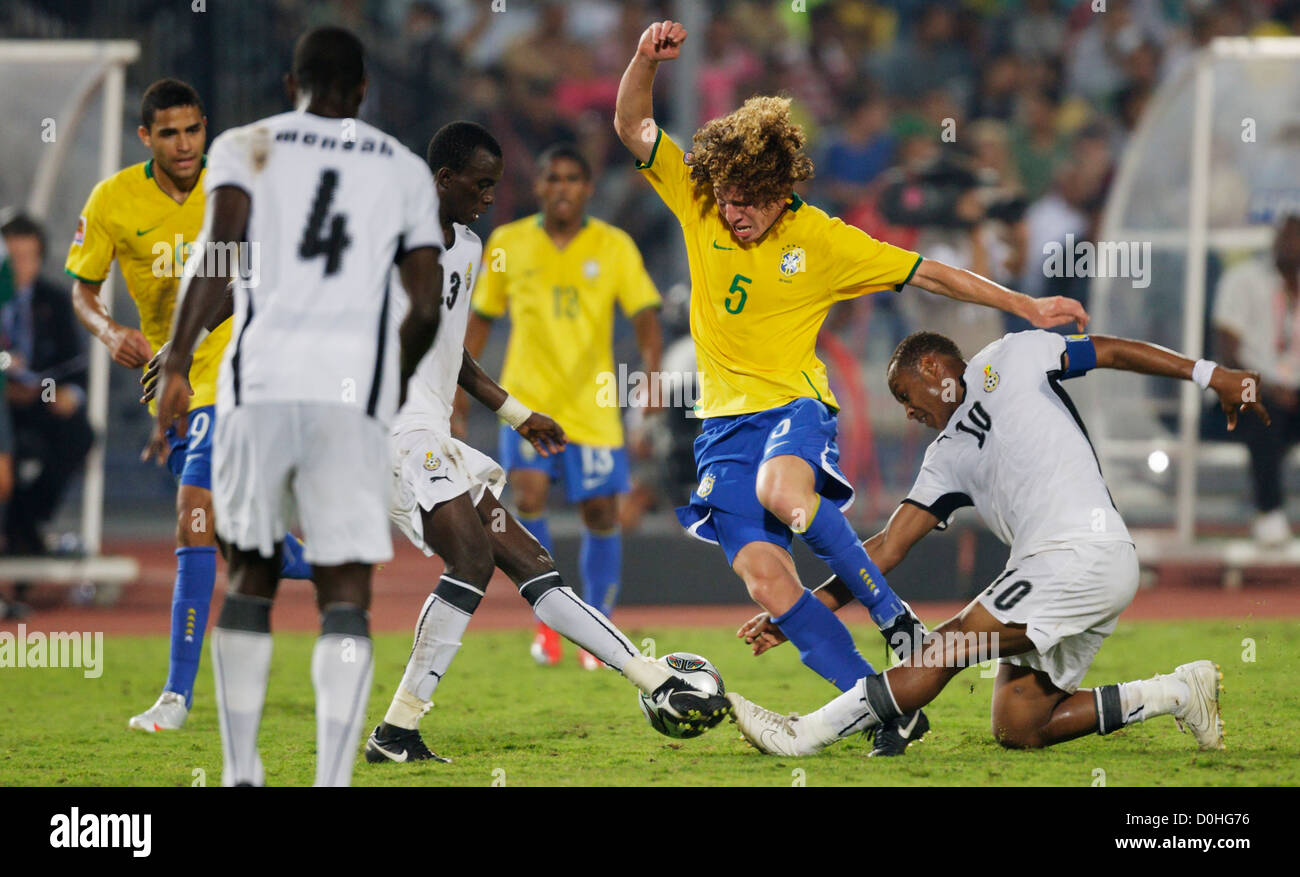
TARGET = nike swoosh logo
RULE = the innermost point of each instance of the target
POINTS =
(589, 483)
(717, 246)
(139, 233)
(778, 444)
(906, 731)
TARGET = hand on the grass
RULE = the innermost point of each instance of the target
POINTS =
(1238, 391)
(545, 434)
(761, 633)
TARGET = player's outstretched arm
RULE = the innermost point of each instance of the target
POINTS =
(907, 526)
(545, 434)
(200, 297)
(634, 109)
(1238, 389)
(127, 346)
(962, 285)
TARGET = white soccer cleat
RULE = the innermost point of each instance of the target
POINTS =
(167, 714)
(772, 733)
(1201, 712)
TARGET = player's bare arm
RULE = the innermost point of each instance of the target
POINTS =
(650, 342)
(544, 433)
(422, 278)
(225, 223)
(634, 109)
(907, 525)
(1238, 389)
(127, 346)
(477, 330)
(956, 283)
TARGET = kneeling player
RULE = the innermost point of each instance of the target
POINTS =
(446, 492)
(1012, 445)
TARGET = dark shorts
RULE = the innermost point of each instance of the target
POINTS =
(724, 508)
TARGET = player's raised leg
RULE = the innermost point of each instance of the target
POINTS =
(530, 567)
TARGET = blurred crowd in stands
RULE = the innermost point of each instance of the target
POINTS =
(973, 131)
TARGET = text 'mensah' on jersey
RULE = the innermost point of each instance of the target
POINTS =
(334, 203)
(1016, 450)
(432, 389)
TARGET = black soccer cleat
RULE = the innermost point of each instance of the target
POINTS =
(695, 709)
(388, 743)
(893, 737)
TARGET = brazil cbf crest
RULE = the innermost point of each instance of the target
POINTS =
(431, 462)
(706, 486)
(793, 260)
(990, 378)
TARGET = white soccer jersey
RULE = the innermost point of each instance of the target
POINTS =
(431, 391)
(1016, 450)
(334, 202)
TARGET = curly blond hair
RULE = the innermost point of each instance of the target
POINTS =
(756, 149)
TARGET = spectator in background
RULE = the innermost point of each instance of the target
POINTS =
(46, 389)
(1257, 326)
(1036, 143)
(859, 153)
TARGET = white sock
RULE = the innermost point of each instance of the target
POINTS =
(241, 662)
(438, 636)
(562, 611)
(851, 713)
(341, 669)
(1147, 698)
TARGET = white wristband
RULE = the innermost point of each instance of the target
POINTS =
(1202, 371)
(514, 412)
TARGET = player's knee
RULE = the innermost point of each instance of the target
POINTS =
(1016, 733)
(789, 502)
(600, 513)
(771, 587)
(530, 499)
(470, 561)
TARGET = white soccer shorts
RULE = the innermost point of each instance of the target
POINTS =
(1069, 600)
(327, 462)
(430, 467)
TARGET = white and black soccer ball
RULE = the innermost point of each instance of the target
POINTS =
(696, 670)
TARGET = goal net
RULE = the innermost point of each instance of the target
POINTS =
(1199, 187)
(63, 106)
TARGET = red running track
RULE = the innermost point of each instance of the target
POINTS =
(401, 587)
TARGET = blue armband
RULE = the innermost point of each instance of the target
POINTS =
(1082, 353)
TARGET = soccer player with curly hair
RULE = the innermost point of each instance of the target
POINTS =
(765, 269)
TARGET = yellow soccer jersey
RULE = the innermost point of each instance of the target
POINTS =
(561, 305)
(756, 308)
(129, 218)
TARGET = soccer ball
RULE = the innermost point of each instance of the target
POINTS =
(699, 673)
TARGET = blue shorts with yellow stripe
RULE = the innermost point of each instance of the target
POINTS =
(724, 508)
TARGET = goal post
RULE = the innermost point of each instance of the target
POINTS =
(55, 91)
(1209, 170)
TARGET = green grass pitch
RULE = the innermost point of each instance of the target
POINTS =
(508, 722)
